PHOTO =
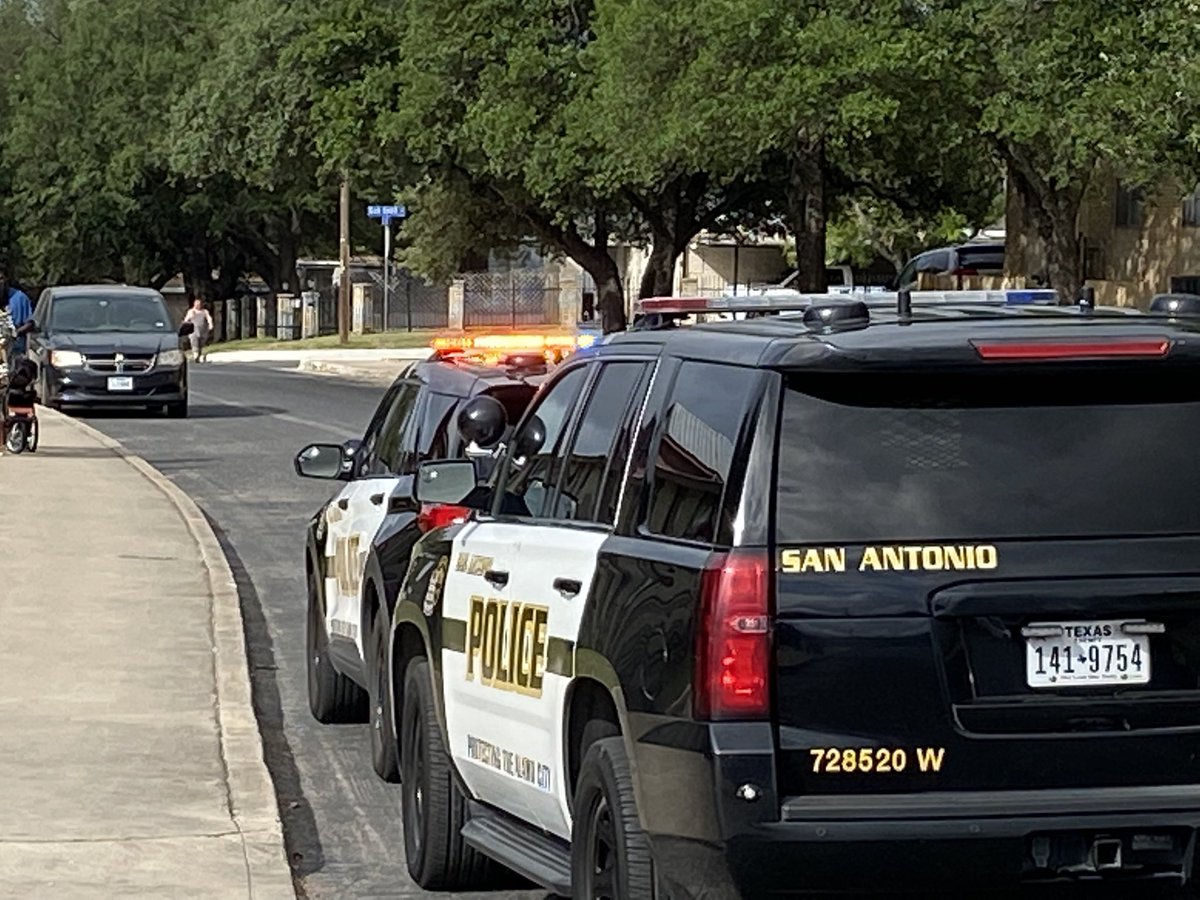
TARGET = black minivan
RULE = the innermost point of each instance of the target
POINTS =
(108, 346)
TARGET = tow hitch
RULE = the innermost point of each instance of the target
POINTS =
(1153, 855)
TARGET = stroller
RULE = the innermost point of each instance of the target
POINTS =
(18, 413)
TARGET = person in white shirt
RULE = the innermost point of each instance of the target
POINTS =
(202, 322)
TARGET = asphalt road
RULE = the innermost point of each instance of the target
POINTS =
(234, 457)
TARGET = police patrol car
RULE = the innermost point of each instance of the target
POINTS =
(846, 598)
(358, 544)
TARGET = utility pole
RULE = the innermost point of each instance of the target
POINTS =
(344, 299)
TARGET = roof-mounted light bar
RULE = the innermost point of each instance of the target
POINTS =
(782, 301)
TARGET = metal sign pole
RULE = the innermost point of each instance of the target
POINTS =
(387, 263)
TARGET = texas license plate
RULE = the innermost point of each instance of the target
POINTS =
(1086, 654)
(120, 383)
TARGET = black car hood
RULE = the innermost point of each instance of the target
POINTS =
(107, 343)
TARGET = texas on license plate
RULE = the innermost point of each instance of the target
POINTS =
(1086, 654)
(120, 383)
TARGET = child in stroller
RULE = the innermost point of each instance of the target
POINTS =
(19, 426)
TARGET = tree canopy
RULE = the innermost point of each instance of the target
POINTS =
(145, 139)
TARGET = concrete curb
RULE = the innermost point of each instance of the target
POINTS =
(347, 356)
(352, 371)
(253, 807)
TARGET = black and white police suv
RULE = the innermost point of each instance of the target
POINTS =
(357, 545)
(857, 597)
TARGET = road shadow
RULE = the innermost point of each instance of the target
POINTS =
(225, 411)
(195, 411)
(300, 836)
(54, 452)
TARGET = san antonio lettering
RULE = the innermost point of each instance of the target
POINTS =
(898, 558)
(506, 645)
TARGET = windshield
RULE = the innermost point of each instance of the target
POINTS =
(932, 458)
(122, 314)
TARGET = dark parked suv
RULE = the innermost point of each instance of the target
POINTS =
(108, 346)
(848, 599)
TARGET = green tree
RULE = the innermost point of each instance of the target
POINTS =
(1063, 90)
(749, 109)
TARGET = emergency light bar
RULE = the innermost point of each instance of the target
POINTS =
(516, 342)
(783, 301)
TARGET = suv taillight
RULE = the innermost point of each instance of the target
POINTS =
(733, 638)
(438, 515)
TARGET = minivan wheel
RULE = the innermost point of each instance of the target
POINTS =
(610, 854)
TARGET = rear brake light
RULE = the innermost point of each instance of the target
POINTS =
(1024, 350)
(733, 638)
(968, 273)
(437, 515)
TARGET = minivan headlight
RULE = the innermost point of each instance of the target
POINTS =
(171, 358)
(66, 359)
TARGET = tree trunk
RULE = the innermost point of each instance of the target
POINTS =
(1064, 267)
(807, 212)
(1051, 206)
(659, 278)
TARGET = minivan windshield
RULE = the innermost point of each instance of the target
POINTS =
(909, 457)
(109, 314)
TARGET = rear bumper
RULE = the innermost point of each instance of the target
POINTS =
(78, 388)
(961, 843)
(962, 850)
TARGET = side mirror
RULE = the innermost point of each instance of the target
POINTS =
(321, 461)
(531, 438)
(186, 328)
(447, 481)
(482, 421)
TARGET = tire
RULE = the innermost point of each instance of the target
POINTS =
(332, 697)
(385, 759)
(177, 410)
(32, 442)
(434, 809)
(17, 438)
(610, 854)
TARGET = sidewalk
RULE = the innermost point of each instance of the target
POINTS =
(130, 760)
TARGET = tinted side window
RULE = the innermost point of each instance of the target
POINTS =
(437, 422)
(370, 439)
(527, 482)
(696, 450)
(617, 392)
(388, 457)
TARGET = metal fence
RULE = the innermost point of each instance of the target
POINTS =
(515, 299)
(412, 303)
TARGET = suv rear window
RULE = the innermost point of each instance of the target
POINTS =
(981, 259)
(990, 455)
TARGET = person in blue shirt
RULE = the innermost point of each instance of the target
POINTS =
(20, 309)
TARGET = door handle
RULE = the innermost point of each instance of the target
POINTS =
(377, 499)
(568, 586)
(344, 503)
(499, 579)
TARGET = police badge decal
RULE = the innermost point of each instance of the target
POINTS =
(436, 581)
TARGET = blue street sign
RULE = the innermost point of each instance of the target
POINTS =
(387, 213)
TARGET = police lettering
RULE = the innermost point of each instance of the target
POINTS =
(473, 564)
(899, 558)
(506, 645)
